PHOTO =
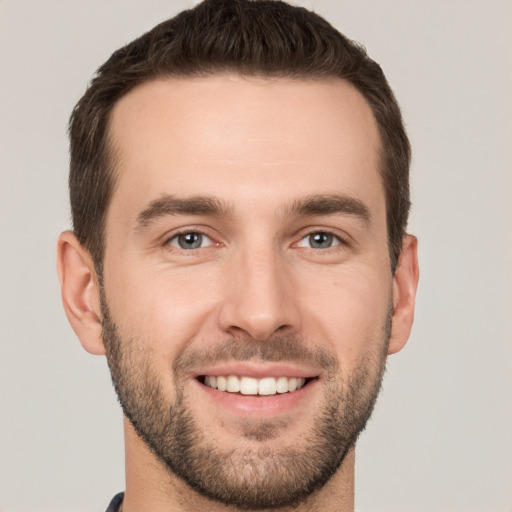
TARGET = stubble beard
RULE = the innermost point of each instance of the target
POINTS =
(252, 478)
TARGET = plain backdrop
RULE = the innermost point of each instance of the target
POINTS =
(440, 438)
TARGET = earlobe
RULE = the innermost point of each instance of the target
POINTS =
(80, 292)
(405, 283)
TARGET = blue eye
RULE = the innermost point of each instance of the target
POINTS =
(319, 240)
(191, 240)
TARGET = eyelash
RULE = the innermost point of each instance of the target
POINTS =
(185, 232)
(337, 240)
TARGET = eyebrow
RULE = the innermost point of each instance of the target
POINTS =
(206, 205)
(171, 205)
(329, 205)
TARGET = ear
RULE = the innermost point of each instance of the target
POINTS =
(80, 292)
(405, 283)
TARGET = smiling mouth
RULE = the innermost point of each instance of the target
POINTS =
(250, 386)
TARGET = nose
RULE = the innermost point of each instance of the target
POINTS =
(260, 298)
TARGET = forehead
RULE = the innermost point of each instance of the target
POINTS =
(243, 138)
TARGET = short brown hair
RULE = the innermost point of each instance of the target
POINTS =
(251, 37)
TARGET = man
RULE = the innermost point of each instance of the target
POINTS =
(239, 191)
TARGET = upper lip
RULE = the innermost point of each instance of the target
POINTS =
(256, 370)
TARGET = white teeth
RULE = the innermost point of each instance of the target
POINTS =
(248, 386)
(233, 384)
(221, 383)
(282, 385)
(267, 386)
(251, 386)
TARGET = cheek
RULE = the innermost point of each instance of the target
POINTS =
(350, 311)
(162, 309)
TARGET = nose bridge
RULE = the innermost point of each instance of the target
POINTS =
(259, 298)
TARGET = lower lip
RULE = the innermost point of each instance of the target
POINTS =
(258, 405)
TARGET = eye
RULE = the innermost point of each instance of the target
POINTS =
(190, 240)
(319, 240)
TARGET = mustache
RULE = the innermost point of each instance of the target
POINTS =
(290, 349)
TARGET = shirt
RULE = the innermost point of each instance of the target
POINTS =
(115, 503)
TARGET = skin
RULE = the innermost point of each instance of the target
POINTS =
(258, 146)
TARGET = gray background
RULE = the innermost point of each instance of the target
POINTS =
(440, 439)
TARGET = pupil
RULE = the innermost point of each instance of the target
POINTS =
(190, 240)
(320, 240)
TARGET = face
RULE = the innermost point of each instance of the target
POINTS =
(247, 287)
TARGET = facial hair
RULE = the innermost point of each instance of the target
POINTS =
(250, 478)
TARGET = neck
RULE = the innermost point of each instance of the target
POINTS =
(151, 486)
